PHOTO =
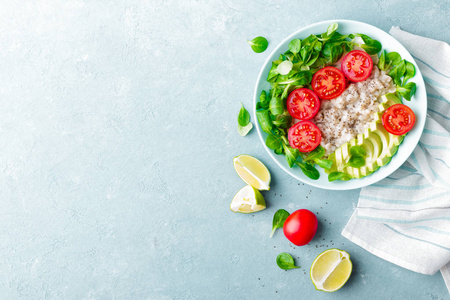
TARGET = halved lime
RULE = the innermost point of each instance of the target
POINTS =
(248, 200)
(252, 171)
(331, 270)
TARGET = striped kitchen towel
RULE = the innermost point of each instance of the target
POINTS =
(405, 218)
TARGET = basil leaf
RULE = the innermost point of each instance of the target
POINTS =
(324, 163)
(291, 155)
(276, 106)
(392, 59)
(336, 53)
(355, 162)
(410, 71)
(243, 117)
(273, 142)
(259, 44)
(300, 78)
(357, 151)
(407, 91)
(309, 170)
(264, 100)
(370, 45)
(278, 220)
(316, 153)
(331, 29)
(317, 46)
(338, 176)
(280, 132)
(244, 130)
(285, 261)
(264, 120)
(313, 59)
(295, 45)
(282, 121)
(397, 72)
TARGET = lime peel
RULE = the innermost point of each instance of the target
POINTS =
(251, 171)
(248, 200)
(328, 281)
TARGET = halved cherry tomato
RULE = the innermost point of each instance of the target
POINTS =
(328, 83)
(303, 104)
(300, 227)
(357, 65)
(305, 136)
(398, 119)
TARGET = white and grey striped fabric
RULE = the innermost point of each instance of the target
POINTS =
(405, 218)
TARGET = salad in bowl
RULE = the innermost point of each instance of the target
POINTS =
(334, 104)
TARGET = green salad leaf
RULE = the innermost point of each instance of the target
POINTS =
(259, 44)
(338, 176)
(295, 45)
(407, 91)
(357, 151)
(294, 69)
(264, 120)
(278, 220)
(285, 261)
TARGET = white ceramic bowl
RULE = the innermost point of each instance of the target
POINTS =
(418, 104)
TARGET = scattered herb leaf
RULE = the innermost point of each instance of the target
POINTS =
(259, 44)
(278, 220)
(285, 261)
(244, 116)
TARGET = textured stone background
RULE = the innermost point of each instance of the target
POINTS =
(118, 129)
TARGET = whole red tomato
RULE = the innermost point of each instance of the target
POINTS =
(300, 227)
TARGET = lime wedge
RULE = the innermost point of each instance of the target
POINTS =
(331, 270)
(252, 171)
(248, 200)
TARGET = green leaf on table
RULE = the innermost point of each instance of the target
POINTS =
(243, 116)
(259, 44)
(285, 261)
(278, 220)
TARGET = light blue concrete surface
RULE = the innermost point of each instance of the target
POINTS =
(118, 129)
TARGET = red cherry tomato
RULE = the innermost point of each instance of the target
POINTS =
(305, 136)
(300, 227)
(357, 65)
(328, 83)
(398, 119)
(303, 104)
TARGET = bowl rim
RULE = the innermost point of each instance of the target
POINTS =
(354, 183)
